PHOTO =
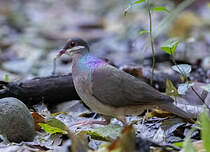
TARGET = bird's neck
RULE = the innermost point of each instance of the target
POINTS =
(79, 54)
(76, 58)
(83, 62)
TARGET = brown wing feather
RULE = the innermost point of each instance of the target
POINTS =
(114, 87)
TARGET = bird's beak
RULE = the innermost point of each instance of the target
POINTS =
(61, 52)
(68, 51)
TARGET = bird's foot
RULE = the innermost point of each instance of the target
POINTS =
(90, 122)
(123, 120)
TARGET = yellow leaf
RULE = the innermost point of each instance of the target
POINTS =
(171, 89)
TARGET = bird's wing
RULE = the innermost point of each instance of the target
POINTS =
(114, 87)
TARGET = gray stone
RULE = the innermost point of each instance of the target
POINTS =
(206, 63)
(16, 122)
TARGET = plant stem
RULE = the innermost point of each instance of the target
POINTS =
(203, 100)
(181, 71)
(151, 40)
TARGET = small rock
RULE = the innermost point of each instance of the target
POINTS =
(16, 122)
(206, 63)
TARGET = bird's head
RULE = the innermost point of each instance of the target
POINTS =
(74, 46)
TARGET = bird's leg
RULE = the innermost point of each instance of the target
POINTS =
(122, 119)
(144, 117)
(91, 122)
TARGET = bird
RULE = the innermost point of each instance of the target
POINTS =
(110, 91)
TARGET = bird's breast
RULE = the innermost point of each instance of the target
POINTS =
(83, 69)
(82, 75)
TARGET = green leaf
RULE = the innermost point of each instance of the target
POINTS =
(6, 79)
(143, 32)
(178, 144)
(52, 121)
(206, 87)
(105, 133)
(160, 9)
(170, 46)
(139, 1)
(205, 131)
(171, 89)
(183, 69)
(54, 125)
(50, 129)
(182, 88)
(188, 146)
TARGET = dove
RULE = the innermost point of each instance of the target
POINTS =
(110, 91)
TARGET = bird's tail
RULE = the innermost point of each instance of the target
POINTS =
(177, 111)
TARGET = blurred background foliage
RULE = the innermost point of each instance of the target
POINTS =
(31, 32)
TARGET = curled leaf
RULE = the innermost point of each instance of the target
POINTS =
(183, 69)
(182, 88)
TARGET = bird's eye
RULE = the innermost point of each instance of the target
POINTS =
(73, 44)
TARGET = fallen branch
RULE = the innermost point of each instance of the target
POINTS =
(50, 90)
